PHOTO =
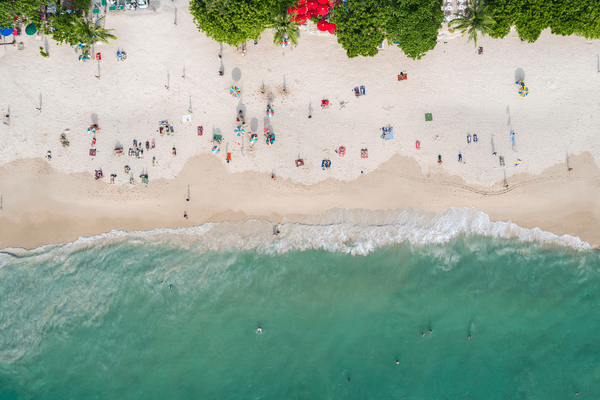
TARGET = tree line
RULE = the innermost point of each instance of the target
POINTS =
(71, 26)
(412, 25)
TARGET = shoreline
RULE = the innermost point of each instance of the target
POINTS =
(43, 206)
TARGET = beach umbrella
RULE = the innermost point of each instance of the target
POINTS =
(312, 14)
(323, 1)
(240, 131)
(331, 28)
(235, 91)
(322, 25)
(6, 31)
(31, 29)
(301, 10)
(312, 4)
(322, 10)
(270, 112)
(302, 2)
(523, 91)
(291, 10)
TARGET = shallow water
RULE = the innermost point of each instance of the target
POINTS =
(94, 322)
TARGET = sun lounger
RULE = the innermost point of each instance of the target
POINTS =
(356, 92)
(387, 133)
(362, 91)
(342, 151)
(403, 76)
(364, 153)
(200, 131)
(228, 157)
(326, 164)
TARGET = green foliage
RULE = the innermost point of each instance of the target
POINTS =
(73, 29)
(477, 18)
(284, 26)
(236, 21)
(27, 10)
(414, 25)
(43, 53)
(358, 26)
(531, 17)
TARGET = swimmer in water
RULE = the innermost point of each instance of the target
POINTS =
(259, 330)
(469, 336)
(397, 362)
(422, 333)
(348, 379)
(170, 287)
(162, 282)
(431, 331)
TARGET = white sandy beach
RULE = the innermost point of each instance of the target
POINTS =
(465, 92)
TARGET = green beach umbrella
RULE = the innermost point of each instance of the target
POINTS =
(31, 29)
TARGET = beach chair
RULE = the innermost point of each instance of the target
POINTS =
(200, 131)
(363, 91)
(299, 162)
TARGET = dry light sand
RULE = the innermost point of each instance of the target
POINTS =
(57, 201)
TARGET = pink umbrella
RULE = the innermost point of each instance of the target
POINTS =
(312, 4)
(331, 28)
(323, 10)
(322, 25)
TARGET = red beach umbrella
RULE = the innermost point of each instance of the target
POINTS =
(322, 1)
(331, 28)
(323, 10)
(302, 2)
(312, 14)
(291, 10)
(301, 19)
(312, 4)
(301, 10)
(322, 25)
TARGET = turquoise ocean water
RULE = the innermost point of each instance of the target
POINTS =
(91, 320)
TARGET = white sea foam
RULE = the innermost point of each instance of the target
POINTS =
(354, 231)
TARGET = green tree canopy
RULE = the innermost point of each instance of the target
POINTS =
(359, 25)
(27, 10)
(235, 21)
(414, 25)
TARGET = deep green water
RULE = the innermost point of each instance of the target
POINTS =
(95, 323)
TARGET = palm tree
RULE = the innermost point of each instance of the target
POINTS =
(284, 26)
(476, 18)
(88, 32)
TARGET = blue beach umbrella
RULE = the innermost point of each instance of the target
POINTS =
(6, 31)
